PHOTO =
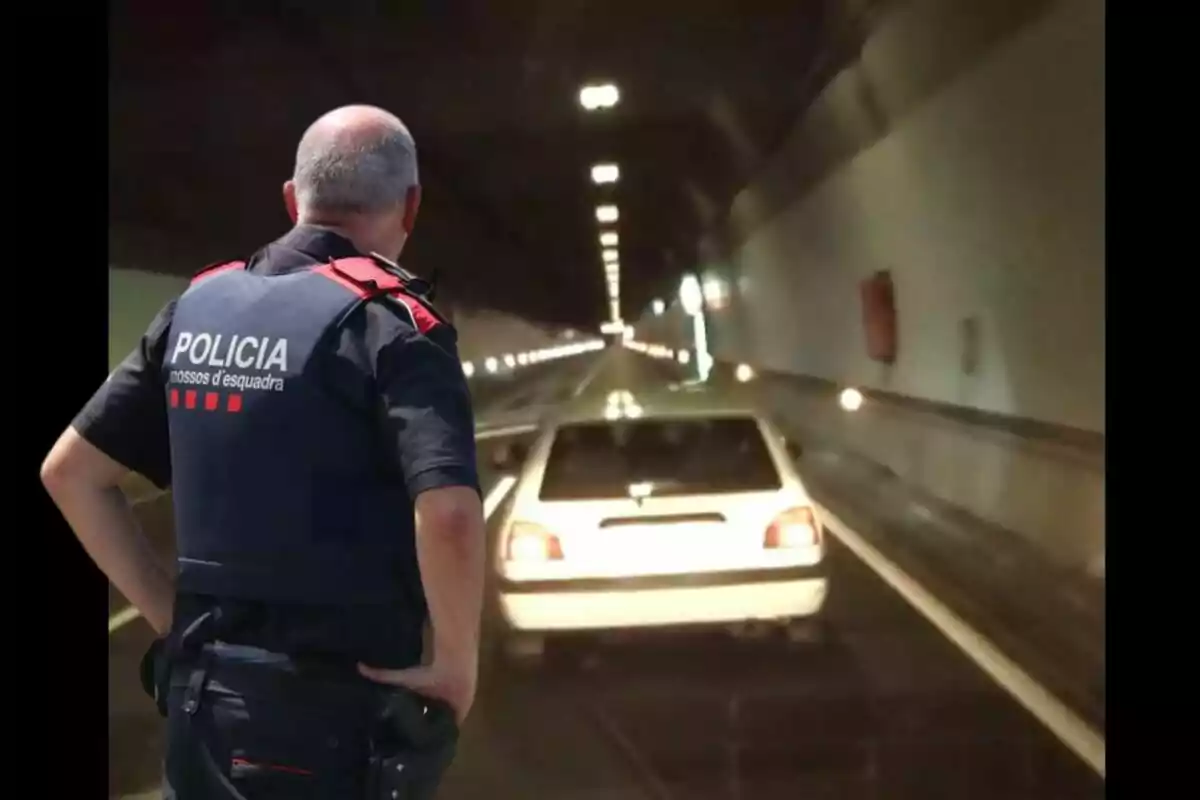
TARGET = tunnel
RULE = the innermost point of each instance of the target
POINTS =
(878, 224)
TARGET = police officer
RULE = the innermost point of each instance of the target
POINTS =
(308, 408)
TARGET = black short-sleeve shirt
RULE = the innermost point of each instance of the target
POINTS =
(382, 350)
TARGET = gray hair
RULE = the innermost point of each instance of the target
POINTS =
(340, 172)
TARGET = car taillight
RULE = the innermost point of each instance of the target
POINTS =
(796, 527)
(529, 542)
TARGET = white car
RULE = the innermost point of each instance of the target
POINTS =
(652, 520)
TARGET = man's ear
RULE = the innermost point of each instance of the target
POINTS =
(289, 200)
(412, 203)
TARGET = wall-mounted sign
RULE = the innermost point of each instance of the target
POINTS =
(879, 316)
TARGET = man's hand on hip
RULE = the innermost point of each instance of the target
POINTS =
(453, 684)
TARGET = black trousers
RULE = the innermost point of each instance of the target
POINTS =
(246, 725)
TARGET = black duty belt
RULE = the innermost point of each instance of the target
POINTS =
(413, 741)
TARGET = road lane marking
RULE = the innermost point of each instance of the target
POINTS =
(590, 376)
(508, 430)
(530, 427)
(496, 496)
(490, 503)
(641, 765)
(1065, 724)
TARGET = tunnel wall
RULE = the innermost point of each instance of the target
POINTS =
(483, 333)
(984, 198)
(135, 296)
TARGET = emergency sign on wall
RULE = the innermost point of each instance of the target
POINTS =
(879, 316)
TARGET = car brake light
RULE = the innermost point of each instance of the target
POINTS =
(796, 527)
(529, 542)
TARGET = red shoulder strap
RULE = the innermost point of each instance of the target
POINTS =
(213, 269)
(424, 319)
(367, 279)
(361, 275)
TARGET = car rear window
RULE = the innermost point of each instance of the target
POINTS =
(677, 456)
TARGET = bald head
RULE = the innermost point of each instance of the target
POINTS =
(354, 161)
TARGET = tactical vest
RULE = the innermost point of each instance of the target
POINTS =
(278, 488)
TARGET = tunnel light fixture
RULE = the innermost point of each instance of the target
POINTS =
(744, 373)
(716, 293)
(613, 326)
(605, 173)
(491, 365)
(850, 399)
(607, 213)
(612, 268)
(598, 96)
(713, 289)
(510, 360)
(609, 255)
(609, 239)
(658, 307)
(468, 368)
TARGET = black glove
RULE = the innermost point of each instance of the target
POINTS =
(418, 739)
(155, 674)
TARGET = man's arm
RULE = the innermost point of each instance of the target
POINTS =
(84, 484)
(450, 551)
(429, 417)
(121, 429)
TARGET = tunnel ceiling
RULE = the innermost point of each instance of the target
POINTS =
(207, 102)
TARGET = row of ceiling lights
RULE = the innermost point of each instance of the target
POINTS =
(602, 97)
(492, 364)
